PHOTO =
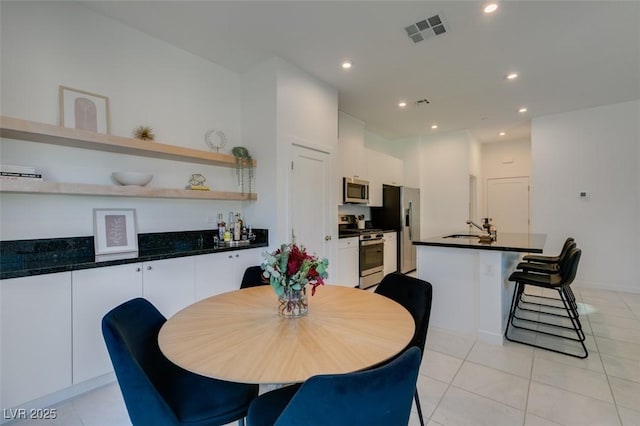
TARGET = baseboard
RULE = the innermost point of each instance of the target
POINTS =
(593, 285)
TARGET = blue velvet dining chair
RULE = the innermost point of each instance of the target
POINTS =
(156, 391)
(380, 396)
(416, 296)
(253, 277)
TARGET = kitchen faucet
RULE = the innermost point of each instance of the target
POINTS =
(470, 222)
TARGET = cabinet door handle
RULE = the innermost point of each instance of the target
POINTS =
(138, 269)
(230, 256)
(148, 268)
(237, 255)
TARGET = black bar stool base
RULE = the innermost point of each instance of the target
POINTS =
(570, 314)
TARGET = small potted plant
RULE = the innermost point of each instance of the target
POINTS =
(144, 133)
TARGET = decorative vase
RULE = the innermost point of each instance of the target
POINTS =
(293, 303)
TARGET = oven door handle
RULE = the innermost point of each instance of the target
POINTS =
(371, 242)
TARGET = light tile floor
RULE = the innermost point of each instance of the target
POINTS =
(467, 382)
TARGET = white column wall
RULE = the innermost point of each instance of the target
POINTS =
(594, 150)
(283, 104)
(445, 165)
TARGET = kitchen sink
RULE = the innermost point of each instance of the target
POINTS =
(462, 236)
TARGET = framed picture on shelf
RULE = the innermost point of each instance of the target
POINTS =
(83, 110)
(114, 233)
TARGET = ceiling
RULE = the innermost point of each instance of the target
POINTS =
(569, 55)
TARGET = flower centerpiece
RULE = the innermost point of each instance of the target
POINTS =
(289, 269)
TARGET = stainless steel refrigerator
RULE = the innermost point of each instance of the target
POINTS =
(400, 211)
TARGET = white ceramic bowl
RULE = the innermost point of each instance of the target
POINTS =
(132, 178)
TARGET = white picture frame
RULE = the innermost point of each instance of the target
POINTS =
(115, 235)
(84, 110)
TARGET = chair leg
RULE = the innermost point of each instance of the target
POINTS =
(417, 398)
(568, 300)
(528, 296)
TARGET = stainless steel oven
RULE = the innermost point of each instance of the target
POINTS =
(371, 259)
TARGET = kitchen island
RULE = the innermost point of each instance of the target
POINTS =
(471, 290)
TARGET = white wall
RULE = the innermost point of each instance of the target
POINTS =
(259, 112)
(409, 151)
(380, 144)
(594, 150)
(506, 159)
(445, 164)
(181, 96)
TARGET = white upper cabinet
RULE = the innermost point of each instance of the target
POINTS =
(351, 147)
(359, 162)
(382, 169)
(375, 173)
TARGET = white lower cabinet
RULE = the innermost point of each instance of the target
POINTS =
(35, 334)
(169, 283)
(95, 292)
(221, 272)
(51, 325)
(348, 263)
(390, 252)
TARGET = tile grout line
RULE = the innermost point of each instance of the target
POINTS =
(604, 368)
(452, 378)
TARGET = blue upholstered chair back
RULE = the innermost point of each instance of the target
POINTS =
(416, 296)
(131, 334)
(156, 391)
(378, 397)
(253, 277)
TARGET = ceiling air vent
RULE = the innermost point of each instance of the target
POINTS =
(426, 28)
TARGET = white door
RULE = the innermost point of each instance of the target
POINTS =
(309, 184)
(508, 203)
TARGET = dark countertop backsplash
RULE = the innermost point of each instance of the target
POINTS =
(21, 258)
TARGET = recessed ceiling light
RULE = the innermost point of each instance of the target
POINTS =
(523, 109)
(490, 8)
(434, 126)
(512, 76)
(402, 104)
(346, 65)
(501, 134)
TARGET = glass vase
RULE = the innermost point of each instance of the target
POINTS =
(293, 303)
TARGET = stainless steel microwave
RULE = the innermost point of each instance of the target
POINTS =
(355, 191)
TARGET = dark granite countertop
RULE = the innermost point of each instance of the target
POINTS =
(22, 258)
(505, 241)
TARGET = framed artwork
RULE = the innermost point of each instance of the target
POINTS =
(83, 110)
(114, 233)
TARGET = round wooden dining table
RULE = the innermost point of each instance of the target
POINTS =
(239, 336)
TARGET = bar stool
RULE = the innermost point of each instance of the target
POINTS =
(536, 258)
(548, 268)
(560, 282)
